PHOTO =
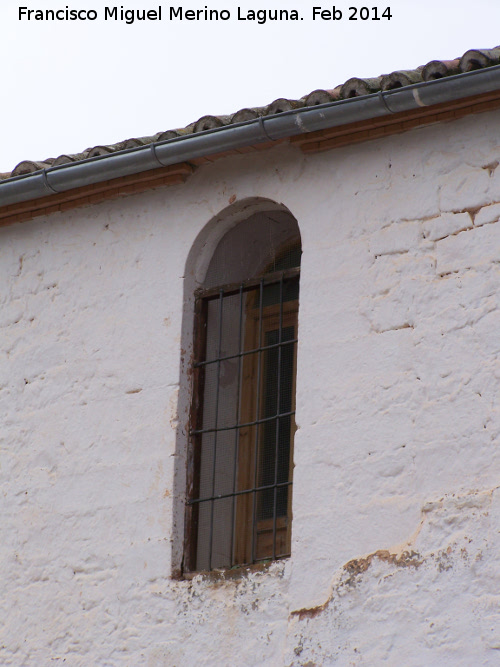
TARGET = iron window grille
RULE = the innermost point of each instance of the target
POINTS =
(242, 423)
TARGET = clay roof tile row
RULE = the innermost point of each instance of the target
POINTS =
(355, 87)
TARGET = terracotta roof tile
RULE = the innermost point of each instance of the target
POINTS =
(210, 122)
(102, 150)
(28, 167)
(356, 87)
(320, 97)
(66, 159)
(436, 69)
(281, 105)
(400, 79)
(479, 58)
(246, 114)
(134, 143)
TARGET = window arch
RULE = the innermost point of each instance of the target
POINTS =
(242, 417)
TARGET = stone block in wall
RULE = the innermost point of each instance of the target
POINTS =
(468, 249)
(387, 271)
(465, 188)
(396, 238)
(389, 313)
(487, 215)
(446, 224)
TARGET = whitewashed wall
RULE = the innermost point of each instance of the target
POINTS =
(396, 495)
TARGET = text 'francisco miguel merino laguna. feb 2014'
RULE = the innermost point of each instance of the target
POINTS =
(260, 16)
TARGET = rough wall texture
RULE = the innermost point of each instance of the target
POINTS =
(396, 494)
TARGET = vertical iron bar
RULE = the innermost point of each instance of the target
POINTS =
(196, 422)
(219, 343)
(278, 410)
(257, 426)
(236, 430)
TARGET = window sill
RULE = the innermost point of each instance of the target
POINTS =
(234, 573)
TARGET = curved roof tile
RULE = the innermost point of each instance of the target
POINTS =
(210, 123)
(479, 58)
(244, 115)
(400, 79)
(28, 167)
(356, 87)
(281, 105)
(321, 97)
(437, 69)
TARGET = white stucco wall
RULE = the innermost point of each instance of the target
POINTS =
(396, 490)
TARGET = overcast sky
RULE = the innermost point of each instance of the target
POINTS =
(69, 85)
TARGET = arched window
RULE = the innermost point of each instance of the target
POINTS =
(242, 423)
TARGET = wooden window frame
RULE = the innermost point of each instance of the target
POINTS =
(248, 543)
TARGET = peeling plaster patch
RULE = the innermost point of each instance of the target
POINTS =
(356, 567)
(442, 558)
(243, 607)
(238, 573)
(439, 586)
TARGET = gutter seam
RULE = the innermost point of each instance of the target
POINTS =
(418, 99)
(155, 157)
(263, 128)
(47, 185)
(384, 102)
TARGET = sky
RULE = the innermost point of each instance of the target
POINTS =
(69, 85)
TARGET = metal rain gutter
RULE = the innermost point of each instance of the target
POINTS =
(268, 128)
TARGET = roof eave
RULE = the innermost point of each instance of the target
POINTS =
(65, 177)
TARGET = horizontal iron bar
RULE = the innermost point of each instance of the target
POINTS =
(223, 496)
(246, 286)
(267, 559)
(230, 428)
(245, 353)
